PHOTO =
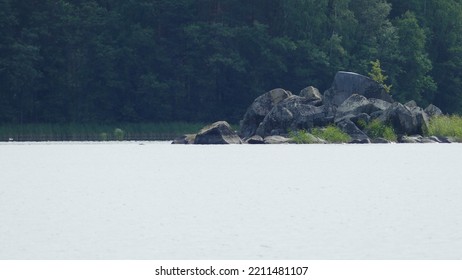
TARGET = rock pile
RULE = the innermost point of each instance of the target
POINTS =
(353, 99)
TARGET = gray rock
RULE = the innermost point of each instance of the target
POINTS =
(447, 140)
(312, 94)
(379, 104)
(256, 139)
(277, 140)
(353, 106)
(404, 120)
(360, 141)
(217, 133)
(353, 131)
(185, 139)
(377, 115)
(380, 141)
(414, 139)
(347, 83)
(293, 113)
(430, 140)
(261, 106)
(277, 132)
(361, 118)
(433, 111)
(411, 104)
(422, 119)
(435, 139)
(357, 105)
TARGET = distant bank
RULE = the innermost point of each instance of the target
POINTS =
(96, 132)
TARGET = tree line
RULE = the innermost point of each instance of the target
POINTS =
(64, 61)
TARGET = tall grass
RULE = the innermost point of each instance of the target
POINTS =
(331, 134)
(446, 126)
(96, 132)
(302, 137)
(377, 129)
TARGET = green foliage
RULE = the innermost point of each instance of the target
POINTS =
(377, 75)
(361, 124)
(415, 83)
(119, 134)
(331, 134)
(94, 61)
(389, 134)
(302, 137)
(446, 126)
(377, 129)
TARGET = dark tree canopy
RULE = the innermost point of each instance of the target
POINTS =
(202, 60)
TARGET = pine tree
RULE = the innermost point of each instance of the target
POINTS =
(377, 75)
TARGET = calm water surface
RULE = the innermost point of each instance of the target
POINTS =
(153, 200)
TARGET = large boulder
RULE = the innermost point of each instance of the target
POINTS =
(261, 106)
(293, 113)
(312, 94)
(379, 104)
(353, 106)
(348, 83)
(421, 115)
(357, 136)
(217, 133)
(405, 120)
(422, 119)
(433, 111)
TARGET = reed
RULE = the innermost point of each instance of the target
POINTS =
(446, 126)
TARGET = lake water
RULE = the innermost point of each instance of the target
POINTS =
(154, 200)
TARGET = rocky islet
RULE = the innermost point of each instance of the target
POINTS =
(352, 99)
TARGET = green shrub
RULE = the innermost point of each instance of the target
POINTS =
(377, 129)
(361, 124)
(302, 137)
(389, 134)
(446, 126)
(119, 134)
(331, 134)
(377, 75)
(103, 136)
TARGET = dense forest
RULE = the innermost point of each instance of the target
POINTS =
(88, 61)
